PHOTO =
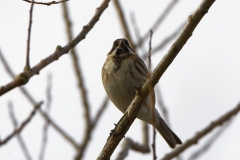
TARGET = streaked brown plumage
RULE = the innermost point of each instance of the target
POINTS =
(123, 72)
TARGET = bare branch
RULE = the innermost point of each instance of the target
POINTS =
(135, 26)
(19, 137)
(165, 41)
(130, 144)
(25, 76)
(133, 109)
(45, 127)
(159, 21)
(77, 69)
(87, 137)
(124, 23)
(152, 96)
(33, 102)
(6, 66)
(202, 133)
(100, 111)
(24, 123)
(46, 3)
(89, 125)
(27, 67)
(210, 142)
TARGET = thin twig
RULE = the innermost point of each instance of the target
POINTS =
(24, 123)
(152, 96)
(210, 142)
(130, 144)
(159, 21)
(45, 127)
(124, 23)
(145, 136)
(25, 76)
(133, 109)
(33, 102)
(135, 26)
(6, 66)
(87, 137)
(46, 3)
(165, 41)
(27, 67)
(19, 137)
(100, 111)
(224, 118)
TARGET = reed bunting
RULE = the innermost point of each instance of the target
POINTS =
(123, 72)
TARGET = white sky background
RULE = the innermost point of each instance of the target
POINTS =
(201, 84)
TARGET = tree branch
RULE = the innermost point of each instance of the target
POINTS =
(27, 66)
(25, 76)
(45, 127)
(24, 123)
(33, 102)
(19, 137)
(158, 22)
(202, 133)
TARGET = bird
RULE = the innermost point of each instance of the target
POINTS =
(122, 72)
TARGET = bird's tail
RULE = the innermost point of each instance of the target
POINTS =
(170, 137)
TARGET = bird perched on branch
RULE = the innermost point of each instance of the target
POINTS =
(123, 72)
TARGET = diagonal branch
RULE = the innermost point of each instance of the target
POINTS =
(165, 41)
(24, 123)
(19, 137)
(202, 133)
(133, 109)
(210, 141)
(45, 127)
(25, 76)
(86, 137)
(33, 102)
(100, 111)
(158, 22)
